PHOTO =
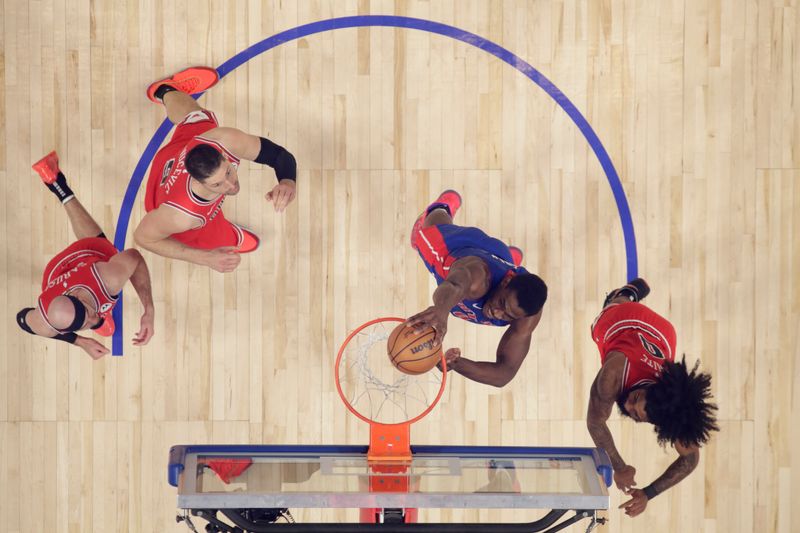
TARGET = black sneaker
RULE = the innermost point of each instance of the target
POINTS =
(636, 290)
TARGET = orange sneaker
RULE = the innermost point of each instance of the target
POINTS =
(250, 241)
(516, 255)
(192, 80)
(450, 198)
(47, 167)
(107, 328)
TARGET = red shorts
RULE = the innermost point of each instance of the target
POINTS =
(196, 123)
(91, 250)
(618, 325)
(218, 232)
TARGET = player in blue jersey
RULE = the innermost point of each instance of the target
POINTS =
(480, 280)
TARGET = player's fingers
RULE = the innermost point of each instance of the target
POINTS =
(413, 321)
(280, 202)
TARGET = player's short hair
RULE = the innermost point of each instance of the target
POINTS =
(202, 161)
(679, 405)
(531, 292)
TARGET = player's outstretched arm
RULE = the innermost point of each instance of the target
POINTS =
(130, 265)
(601, 402)
(155, 229)
(31, 321)
(687, 460)
(265, 152)
(464, 275)
(511, 352)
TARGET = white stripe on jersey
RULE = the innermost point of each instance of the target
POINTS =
(186, 211)
(630, 323)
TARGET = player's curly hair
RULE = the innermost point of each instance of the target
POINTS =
(679, 405)
(531, 292)
(202, 161)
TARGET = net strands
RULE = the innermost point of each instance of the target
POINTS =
(371, 383)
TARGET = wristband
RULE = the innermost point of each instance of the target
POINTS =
(650, 491)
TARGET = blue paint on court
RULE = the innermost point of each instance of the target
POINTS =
(395, 22)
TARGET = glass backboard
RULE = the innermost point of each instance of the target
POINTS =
(444, 477)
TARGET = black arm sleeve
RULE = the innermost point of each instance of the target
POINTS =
(278, 158)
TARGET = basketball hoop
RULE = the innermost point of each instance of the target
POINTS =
(380, 395)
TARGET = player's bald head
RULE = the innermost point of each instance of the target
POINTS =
(66, 313)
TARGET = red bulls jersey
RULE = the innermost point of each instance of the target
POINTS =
(175, 190)
(75, 268)
(645, 338)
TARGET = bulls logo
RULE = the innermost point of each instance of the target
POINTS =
(105, 308)
(651, 348)
(167, 170)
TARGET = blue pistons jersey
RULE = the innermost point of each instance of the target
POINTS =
(441, 245)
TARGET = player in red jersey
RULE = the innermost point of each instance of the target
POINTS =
(81, 285)
(640, 375)
(191, 176)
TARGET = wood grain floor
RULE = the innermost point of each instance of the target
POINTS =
(697, 103)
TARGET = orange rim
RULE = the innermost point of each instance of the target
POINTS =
(353, 409)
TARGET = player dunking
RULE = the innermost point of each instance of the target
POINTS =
(639, 373)
(191, 176)
(80, 285)
(480, 280)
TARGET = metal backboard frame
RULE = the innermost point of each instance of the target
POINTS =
(433, 479)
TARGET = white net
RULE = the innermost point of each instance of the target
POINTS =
(374, 387)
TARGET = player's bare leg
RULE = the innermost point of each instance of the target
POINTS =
(81, 221)
(178, 105)
(436, 217)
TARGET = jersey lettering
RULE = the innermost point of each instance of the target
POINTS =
(464, 312)
(652, 364)
(65, 276)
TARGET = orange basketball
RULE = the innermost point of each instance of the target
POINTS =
(413, 353)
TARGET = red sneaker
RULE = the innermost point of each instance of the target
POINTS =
(449, 197)
(108, 327)
(250, 241)
(47, 167)
(452, 199)
(516, 255)
(192, 80)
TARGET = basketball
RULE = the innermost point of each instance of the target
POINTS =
(413, 353)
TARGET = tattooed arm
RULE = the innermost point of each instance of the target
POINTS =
(688, 457)
(687, 460)
(604, 392)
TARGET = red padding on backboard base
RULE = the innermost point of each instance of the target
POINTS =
(228, 469)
